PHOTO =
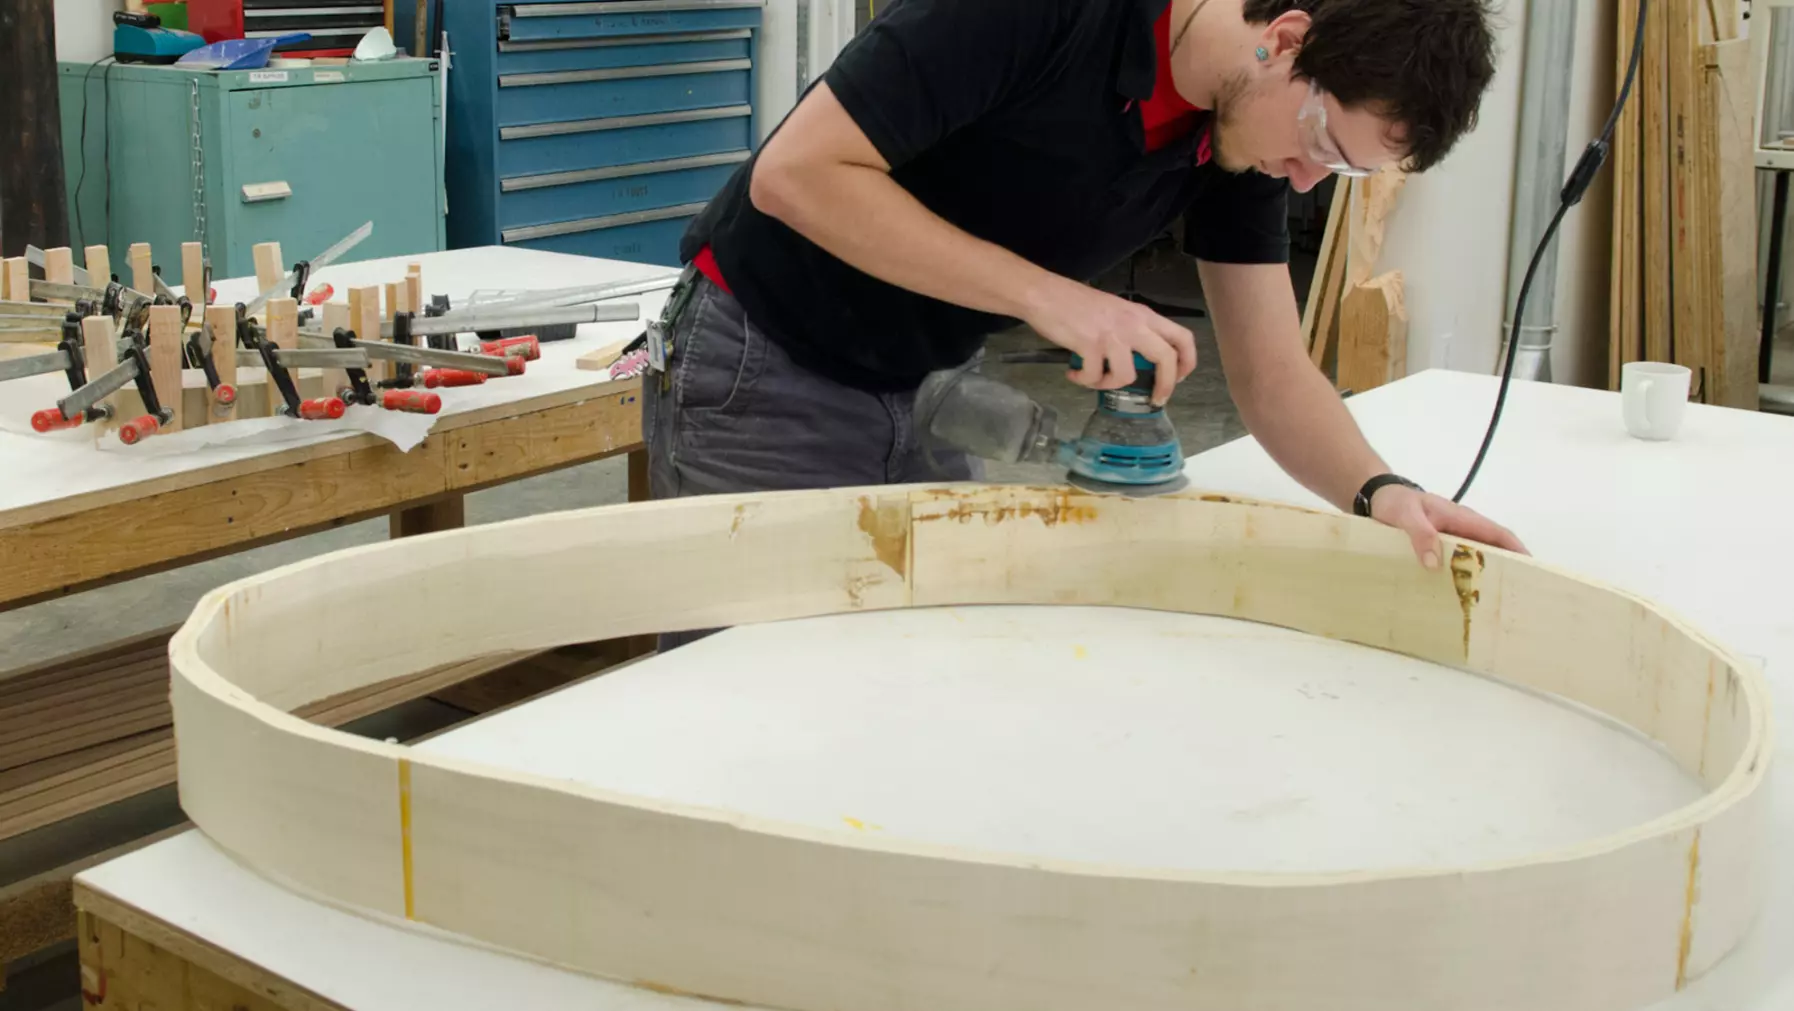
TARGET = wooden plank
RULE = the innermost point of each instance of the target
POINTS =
(100, 342)
(143, 276)
(1654, 202)
(98, 261)
(223, 319)
(1337, 211)
(1624, 306)
(603, 358)
(165, 333)
(1688, 293)
(1373, 334)
(1372, 201)
(364, 317)
(393, 295)
(1729, 191)
(270, 269)
(92, 658)
(59, 265)
(15, 279)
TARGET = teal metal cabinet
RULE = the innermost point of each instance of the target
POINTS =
(300, 156)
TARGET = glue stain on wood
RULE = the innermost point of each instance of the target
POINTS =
(1466, 565)
(887, 524)
(1051, 506)
(1691, 896)
(405, 835)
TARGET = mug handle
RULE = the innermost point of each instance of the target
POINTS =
(1638, 408)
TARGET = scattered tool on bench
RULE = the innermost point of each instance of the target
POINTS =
(275, 358)
(294, 281)
(1128, 446)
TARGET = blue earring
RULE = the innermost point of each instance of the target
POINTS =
(1262, 54)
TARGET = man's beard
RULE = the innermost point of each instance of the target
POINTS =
(1225, 120)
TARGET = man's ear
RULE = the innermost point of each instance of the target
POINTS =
(1283, 37)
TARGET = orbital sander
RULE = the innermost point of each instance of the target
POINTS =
(1128, 446)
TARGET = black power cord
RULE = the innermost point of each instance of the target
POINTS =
(1587, 167)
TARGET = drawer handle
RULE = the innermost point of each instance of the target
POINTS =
(596, 224)
(557, 10)
(260, 193)
(622, 73)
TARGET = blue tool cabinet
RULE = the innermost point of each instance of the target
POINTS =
(598, 128)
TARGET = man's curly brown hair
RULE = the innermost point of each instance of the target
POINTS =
(1423, 64)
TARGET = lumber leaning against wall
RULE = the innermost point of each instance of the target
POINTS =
(729, 905)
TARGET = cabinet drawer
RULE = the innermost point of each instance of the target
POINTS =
(621, 140)
(618, 189)
(643, 237)
(627, 51)
(528, 22)
(623, 91)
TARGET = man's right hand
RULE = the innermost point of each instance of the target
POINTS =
(1105, 330)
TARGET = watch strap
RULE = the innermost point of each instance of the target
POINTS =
(1361, 502)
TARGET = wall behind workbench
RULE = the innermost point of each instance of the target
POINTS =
(1449, 231)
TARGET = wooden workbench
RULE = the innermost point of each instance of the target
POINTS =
(93, 729)
(1116, 736)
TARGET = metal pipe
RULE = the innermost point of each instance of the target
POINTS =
(1545, 78)
(504, 319)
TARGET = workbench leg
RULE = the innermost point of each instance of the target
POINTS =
(638, 475)
(443, 514)
(1772, 279)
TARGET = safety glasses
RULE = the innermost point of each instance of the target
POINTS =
(1311, 123)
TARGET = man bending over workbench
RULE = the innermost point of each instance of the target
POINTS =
(966, 164)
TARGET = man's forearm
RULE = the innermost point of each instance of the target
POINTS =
(1299, 419)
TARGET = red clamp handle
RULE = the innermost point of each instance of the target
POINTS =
(411, 401)
(225, 394)
(326, 408)
(50, 419)
(319, 295)
(132, 432)
(527, 346)
(514, 365)
(452, 377)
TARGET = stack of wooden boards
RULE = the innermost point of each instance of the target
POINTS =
(1684, 200)
(94, 729)
(1354, 319)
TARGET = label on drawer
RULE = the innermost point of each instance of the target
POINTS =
(267, 77)
(328, 76)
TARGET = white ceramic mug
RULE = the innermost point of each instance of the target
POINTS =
(1654, 396)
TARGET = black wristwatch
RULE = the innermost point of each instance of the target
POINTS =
(1361, 503)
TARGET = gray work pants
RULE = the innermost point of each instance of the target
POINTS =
(738, 415)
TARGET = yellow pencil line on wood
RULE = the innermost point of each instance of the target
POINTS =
(405, 834)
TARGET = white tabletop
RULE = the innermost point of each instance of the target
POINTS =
(1135, 736)
(38, 468)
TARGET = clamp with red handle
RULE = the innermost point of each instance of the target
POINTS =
(527, 346)
(452, 377)
(411, 401)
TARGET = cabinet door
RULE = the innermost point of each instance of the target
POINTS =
(349, 153)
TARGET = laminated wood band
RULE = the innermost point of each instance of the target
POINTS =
(731, 906)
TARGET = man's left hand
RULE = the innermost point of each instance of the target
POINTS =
(1424, 516)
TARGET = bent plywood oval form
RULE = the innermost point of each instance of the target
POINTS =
(723, 905)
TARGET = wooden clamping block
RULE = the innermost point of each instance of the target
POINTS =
(142, 277)
(165, 335)
(223, 401)
(269, 269)
(364, 319)
(15, 279)
(1373, 334)
(59, 265)
(100, 343)
(283, 331)
(336, 314)
(414, 288)
(99, 265)
(193, 277)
